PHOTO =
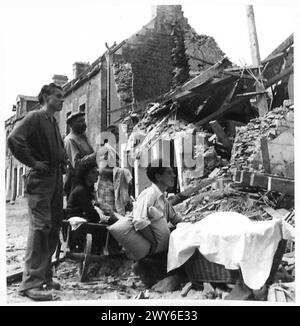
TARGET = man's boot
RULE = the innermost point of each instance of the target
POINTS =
(38, 294)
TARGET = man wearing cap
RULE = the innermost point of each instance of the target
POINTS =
(36, 142)
(77, 147)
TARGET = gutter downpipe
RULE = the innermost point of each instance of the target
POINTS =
(108, 86)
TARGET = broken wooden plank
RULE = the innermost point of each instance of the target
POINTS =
(206, 75)
(261, 99)
(273, 58)
(181, 196)
(282, 47)
(250, 94)
(17, 276)
(265, 154)
(270, 183)
(237, 74)
(279, 76)
(218, 130)
(186, 289)
(222, 111)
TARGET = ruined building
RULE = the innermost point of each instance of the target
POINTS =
(165, 53)
(166, 62)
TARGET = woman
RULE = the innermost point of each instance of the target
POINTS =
(82, 201)
(151, 215)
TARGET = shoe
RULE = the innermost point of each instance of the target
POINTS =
(52, 285)
(38, 294)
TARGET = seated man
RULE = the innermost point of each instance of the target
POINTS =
(151, 215)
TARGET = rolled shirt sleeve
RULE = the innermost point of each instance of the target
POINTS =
(140, 213)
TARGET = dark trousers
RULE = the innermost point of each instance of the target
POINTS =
(45, 207)
(154, 268)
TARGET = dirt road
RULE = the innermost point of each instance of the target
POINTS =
(105, 282)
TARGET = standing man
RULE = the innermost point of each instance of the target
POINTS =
(37, 143)
(77, 147)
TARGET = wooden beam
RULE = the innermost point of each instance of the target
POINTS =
(181, 196)
(205, 76)
(221, 111)
(218, 130)
(265, 154)
(237, 74)
(253, 36)
(279, 76)
(261, 98)
(273, 58)
(250, 94)
(282, 47)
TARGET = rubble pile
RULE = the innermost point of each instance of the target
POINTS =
(247, 149)
(228, 199)
(123, 76)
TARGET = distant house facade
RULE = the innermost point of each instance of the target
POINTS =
(15, 170)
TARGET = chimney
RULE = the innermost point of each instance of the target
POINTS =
(153, 11)
(79, 67)
(59, 80)
(168, 12)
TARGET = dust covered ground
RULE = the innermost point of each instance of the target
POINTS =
(111, 281)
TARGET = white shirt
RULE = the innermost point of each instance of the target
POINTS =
(150, 198)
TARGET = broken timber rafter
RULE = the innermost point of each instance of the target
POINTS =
(265, 154)
(218, 130)
(279, 76)
(250, 94)
(223, 109)
(261, 98)
(281, 48)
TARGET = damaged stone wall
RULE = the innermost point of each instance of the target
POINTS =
(151, 64)
(123, 77)
(278, 128)
(164, 54)
(202, 51)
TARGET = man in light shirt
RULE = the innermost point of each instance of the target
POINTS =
(151, 216)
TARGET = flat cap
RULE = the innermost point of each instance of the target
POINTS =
(74, 115)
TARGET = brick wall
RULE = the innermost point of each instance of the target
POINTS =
(162, 55)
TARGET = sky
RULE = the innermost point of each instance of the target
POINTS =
(40, 39)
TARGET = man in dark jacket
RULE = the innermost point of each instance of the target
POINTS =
(37, 143)
(78, 149)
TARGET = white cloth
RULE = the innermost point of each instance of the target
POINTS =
(76, 221)
(103, 217)
(121, 179)
(152, 197)
(229, 239)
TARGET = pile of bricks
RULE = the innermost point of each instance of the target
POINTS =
(247, 140)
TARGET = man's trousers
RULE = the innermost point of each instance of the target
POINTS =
(45, 207)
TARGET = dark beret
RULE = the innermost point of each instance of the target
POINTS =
(74, 115)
